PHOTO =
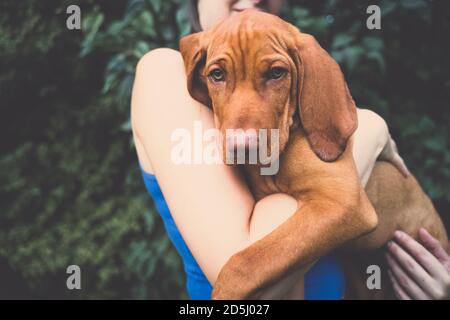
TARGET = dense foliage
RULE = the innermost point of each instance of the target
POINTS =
(71, 191)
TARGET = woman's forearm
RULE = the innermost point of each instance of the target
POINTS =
(269, 213)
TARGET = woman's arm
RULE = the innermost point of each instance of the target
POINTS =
(210, 204)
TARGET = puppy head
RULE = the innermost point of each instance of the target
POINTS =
(256, 70)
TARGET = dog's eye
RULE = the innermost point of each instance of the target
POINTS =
(277, 72)
(217, 75)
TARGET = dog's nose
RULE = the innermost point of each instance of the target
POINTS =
(241, 139)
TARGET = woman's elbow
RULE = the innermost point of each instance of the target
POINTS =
(373, 123)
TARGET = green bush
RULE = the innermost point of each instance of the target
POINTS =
(71, 190)
(71, 187)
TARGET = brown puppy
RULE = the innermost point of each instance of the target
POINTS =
(258, 72)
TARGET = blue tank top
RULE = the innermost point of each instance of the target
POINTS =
(324, 281)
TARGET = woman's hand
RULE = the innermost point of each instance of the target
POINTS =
(418, 270)
(390, 153)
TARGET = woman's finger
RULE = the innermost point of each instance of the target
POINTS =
(398, 290)
(405, 281)
(423, 255)
(435, 247)
(410, 265)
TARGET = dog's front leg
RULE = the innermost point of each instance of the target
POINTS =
(314, 230)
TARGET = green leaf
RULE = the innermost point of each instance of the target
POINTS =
(413, 4)
(387, 7)
(435, 143)
(142, 48)
(373, 43)
(126, 126)
(183, 23)
(91, 25)
(378, 58)
(109, 82)
(116, 63)
(149, 218)
(147, 23)
(157, 4)
(352, 56)
(341, 40)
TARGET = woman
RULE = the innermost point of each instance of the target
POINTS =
(212, 212)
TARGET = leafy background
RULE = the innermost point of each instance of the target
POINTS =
(71, 191)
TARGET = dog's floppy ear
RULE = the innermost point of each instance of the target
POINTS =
(327, 110)
(193, 50)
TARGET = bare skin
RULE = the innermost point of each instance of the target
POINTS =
(418, 270)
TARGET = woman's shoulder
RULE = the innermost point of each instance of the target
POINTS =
(159, 58)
